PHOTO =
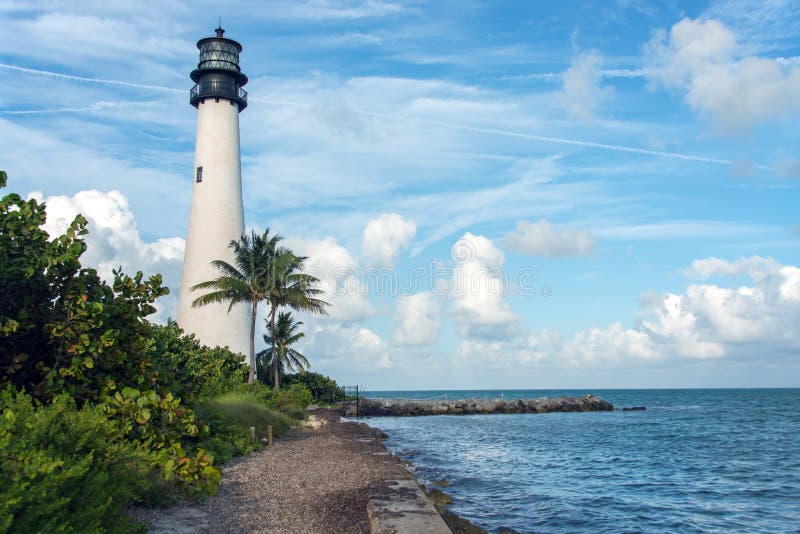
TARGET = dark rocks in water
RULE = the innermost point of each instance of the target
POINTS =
(381, 436)
(442, 483)
(633, 408)
(405, 407)
(439, 498)
(459, 525)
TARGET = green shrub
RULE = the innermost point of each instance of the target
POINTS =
(230, 417)
(62, 328)
(296, 396)
(164, 427)
(257, 392)
(66, 470)
(323, 388)
(190, 370)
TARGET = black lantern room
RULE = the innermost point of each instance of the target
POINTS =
(218, 75)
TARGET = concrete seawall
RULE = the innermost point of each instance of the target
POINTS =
(408, 407)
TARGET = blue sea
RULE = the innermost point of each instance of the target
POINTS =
(713, 460)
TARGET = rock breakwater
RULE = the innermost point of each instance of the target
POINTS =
(408, 407)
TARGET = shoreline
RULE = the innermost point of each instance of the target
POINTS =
(313, 480)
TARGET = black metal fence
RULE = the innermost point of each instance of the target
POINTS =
(352, 395)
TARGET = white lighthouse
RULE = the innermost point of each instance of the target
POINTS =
(217, 215)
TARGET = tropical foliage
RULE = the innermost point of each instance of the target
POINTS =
(263, 272)
(293, 289)
(99, 408)
(249, 282)
(279, 354)
(323, 389)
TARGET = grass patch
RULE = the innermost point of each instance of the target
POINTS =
(230, 417)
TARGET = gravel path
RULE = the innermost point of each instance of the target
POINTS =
(311, 481)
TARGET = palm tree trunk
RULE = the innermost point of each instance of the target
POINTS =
(252, 375)
(276, 369)
(277, 376)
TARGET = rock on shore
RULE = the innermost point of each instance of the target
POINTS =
(406, 407)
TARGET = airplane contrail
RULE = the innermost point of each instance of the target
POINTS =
(90, 80)
(390, 116)
(97, 106)
(532, 137)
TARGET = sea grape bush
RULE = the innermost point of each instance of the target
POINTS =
(295, 396)
(190, 370)
(62, 328)
(89, 423)
(99, 408)
(65, 469)
(323, 389)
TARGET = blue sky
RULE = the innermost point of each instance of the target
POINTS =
(607, 192)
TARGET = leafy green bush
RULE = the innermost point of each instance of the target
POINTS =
(190, 370)
(296, 396)
(323, 388)
(66, 470)
(62, 328)
(101, 408)
(164, 427)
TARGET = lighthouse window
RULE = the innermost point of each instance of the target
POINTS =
(199, 174)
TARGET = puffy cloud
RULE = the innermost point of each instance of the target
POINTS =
(386, 237)
(346, 347)
(479, 287)
(543, 239)
(581, 91)
(339, 278)
(756, 267)
(705, 321)
(700, 58)
(418, 319)
(591, 347)
(473, 352)
(114, 240)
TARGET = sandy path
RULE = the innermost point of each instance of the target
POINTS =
(311, 481)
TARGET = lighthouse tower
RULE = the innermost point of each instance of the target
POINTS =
(217, 215)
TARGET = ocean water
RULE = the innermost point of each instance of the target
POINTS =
(718, 460)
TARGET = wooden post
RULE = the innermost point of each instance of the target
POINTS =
(253, 434)
(269, 435)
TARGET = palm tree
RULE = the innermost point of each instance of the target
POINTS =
(294, 289)
(251, 280)
(280, 356)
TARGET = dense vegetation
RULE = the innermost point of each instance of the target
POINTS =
(100, 408)
(323, 389)
(263, 271)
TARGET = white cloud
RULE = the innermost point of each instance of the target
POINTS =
(386, 237)
(472, 352)
(114, 240)
(330, 10)
(418, 319)
(543, 239)
(581, 92)
(757, 267)
(345, 347)
(706, 321)
(701, 59)
(339, 277)
(592, 347)
(479, 287)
